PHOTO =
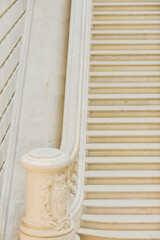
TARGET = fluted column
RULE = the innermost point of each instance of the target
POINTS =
(47, 196)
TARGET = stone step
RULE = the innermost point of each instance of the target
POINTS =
(129, 13)
(122, 191)
(126, 6)
(104, 208)
(123, 124)
(123, 120)
(122, 206)
(124, 22)
(125, 160)
(119, 163)
(121, 203)
(122, 188)
(122, 174)
(122, 177)
(121, 222)
(126, 15)
(124, 42)
(122, 136)
(122, 146)
(124, 108)
(108, 66)
(104, 85)
(123, 113)
(107, 4)
(90, 234)
(117, 133)
(125, 32)
(127, 52)
(117, 63)
(123, 99)
(125, 74)
(125, 25)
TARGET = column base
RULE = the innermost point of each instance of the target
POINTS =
(31, 234)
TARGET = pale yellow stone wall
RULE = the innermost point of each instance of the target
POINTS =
(43, 97)
(12, 16)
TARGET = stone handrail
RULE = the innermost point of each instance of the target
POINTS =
(52, 176)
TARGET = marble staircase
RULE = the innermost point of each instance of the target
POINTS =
(122, 177)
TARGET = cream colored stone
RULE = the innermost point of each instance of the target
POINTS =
(47, 195)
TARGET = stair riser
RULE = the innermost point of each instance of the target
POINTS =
(124, 153)
(124, 126)
(122, 181)
(121, 226)
(125, 47)
(126, 102)
(126, 27)
(122, 210)
(128, 79)
(108, 114)
(126, 8)
(126, 37)
(153, 17)
(111, 57)
(122, 139)
(122, 195)
(125, 90)
(135, 166)
(121, 68)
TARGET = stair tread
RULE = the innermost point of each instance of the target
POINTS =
(124, 22)
(123, 133)
(124, 74)
(128, 32)
(122, 193)
(130, 13)
(122, 174)
(122, 218)
(125, 146)
(123, 96)
(103, 85)
(116, 4)
(122, 188)
(124, 108)
(120, 234)
(124, 63)
(123, 120)
(124, 52)
(126, 160)
(121, 203)
(119, 42)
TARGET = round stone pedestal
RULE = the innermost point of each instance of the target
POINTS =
(47, 196)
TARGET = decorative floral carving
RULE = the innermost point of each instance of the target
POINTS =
(56, 200)
(74, 177)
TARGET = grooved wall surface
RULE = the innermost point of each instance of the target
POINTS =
(12, 15)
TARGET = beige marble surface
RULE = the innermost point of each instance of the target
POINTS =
(42, 108)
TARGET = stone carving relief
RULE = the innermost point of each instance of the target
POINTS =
(55, 200)
(74, 177)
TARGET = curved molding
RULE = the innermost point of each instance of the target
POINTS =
(75, 104)
(10, 159)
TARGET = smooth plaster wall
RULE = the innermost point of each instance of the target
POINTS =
(42, 108)
(12, 17)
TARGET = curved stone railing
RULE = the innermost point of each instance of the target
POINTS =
(54, 179)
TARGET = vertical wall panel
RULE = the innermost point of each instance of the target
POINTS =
(12, 15)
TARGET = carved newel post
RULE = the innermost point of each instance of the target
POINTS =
(47, 196)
